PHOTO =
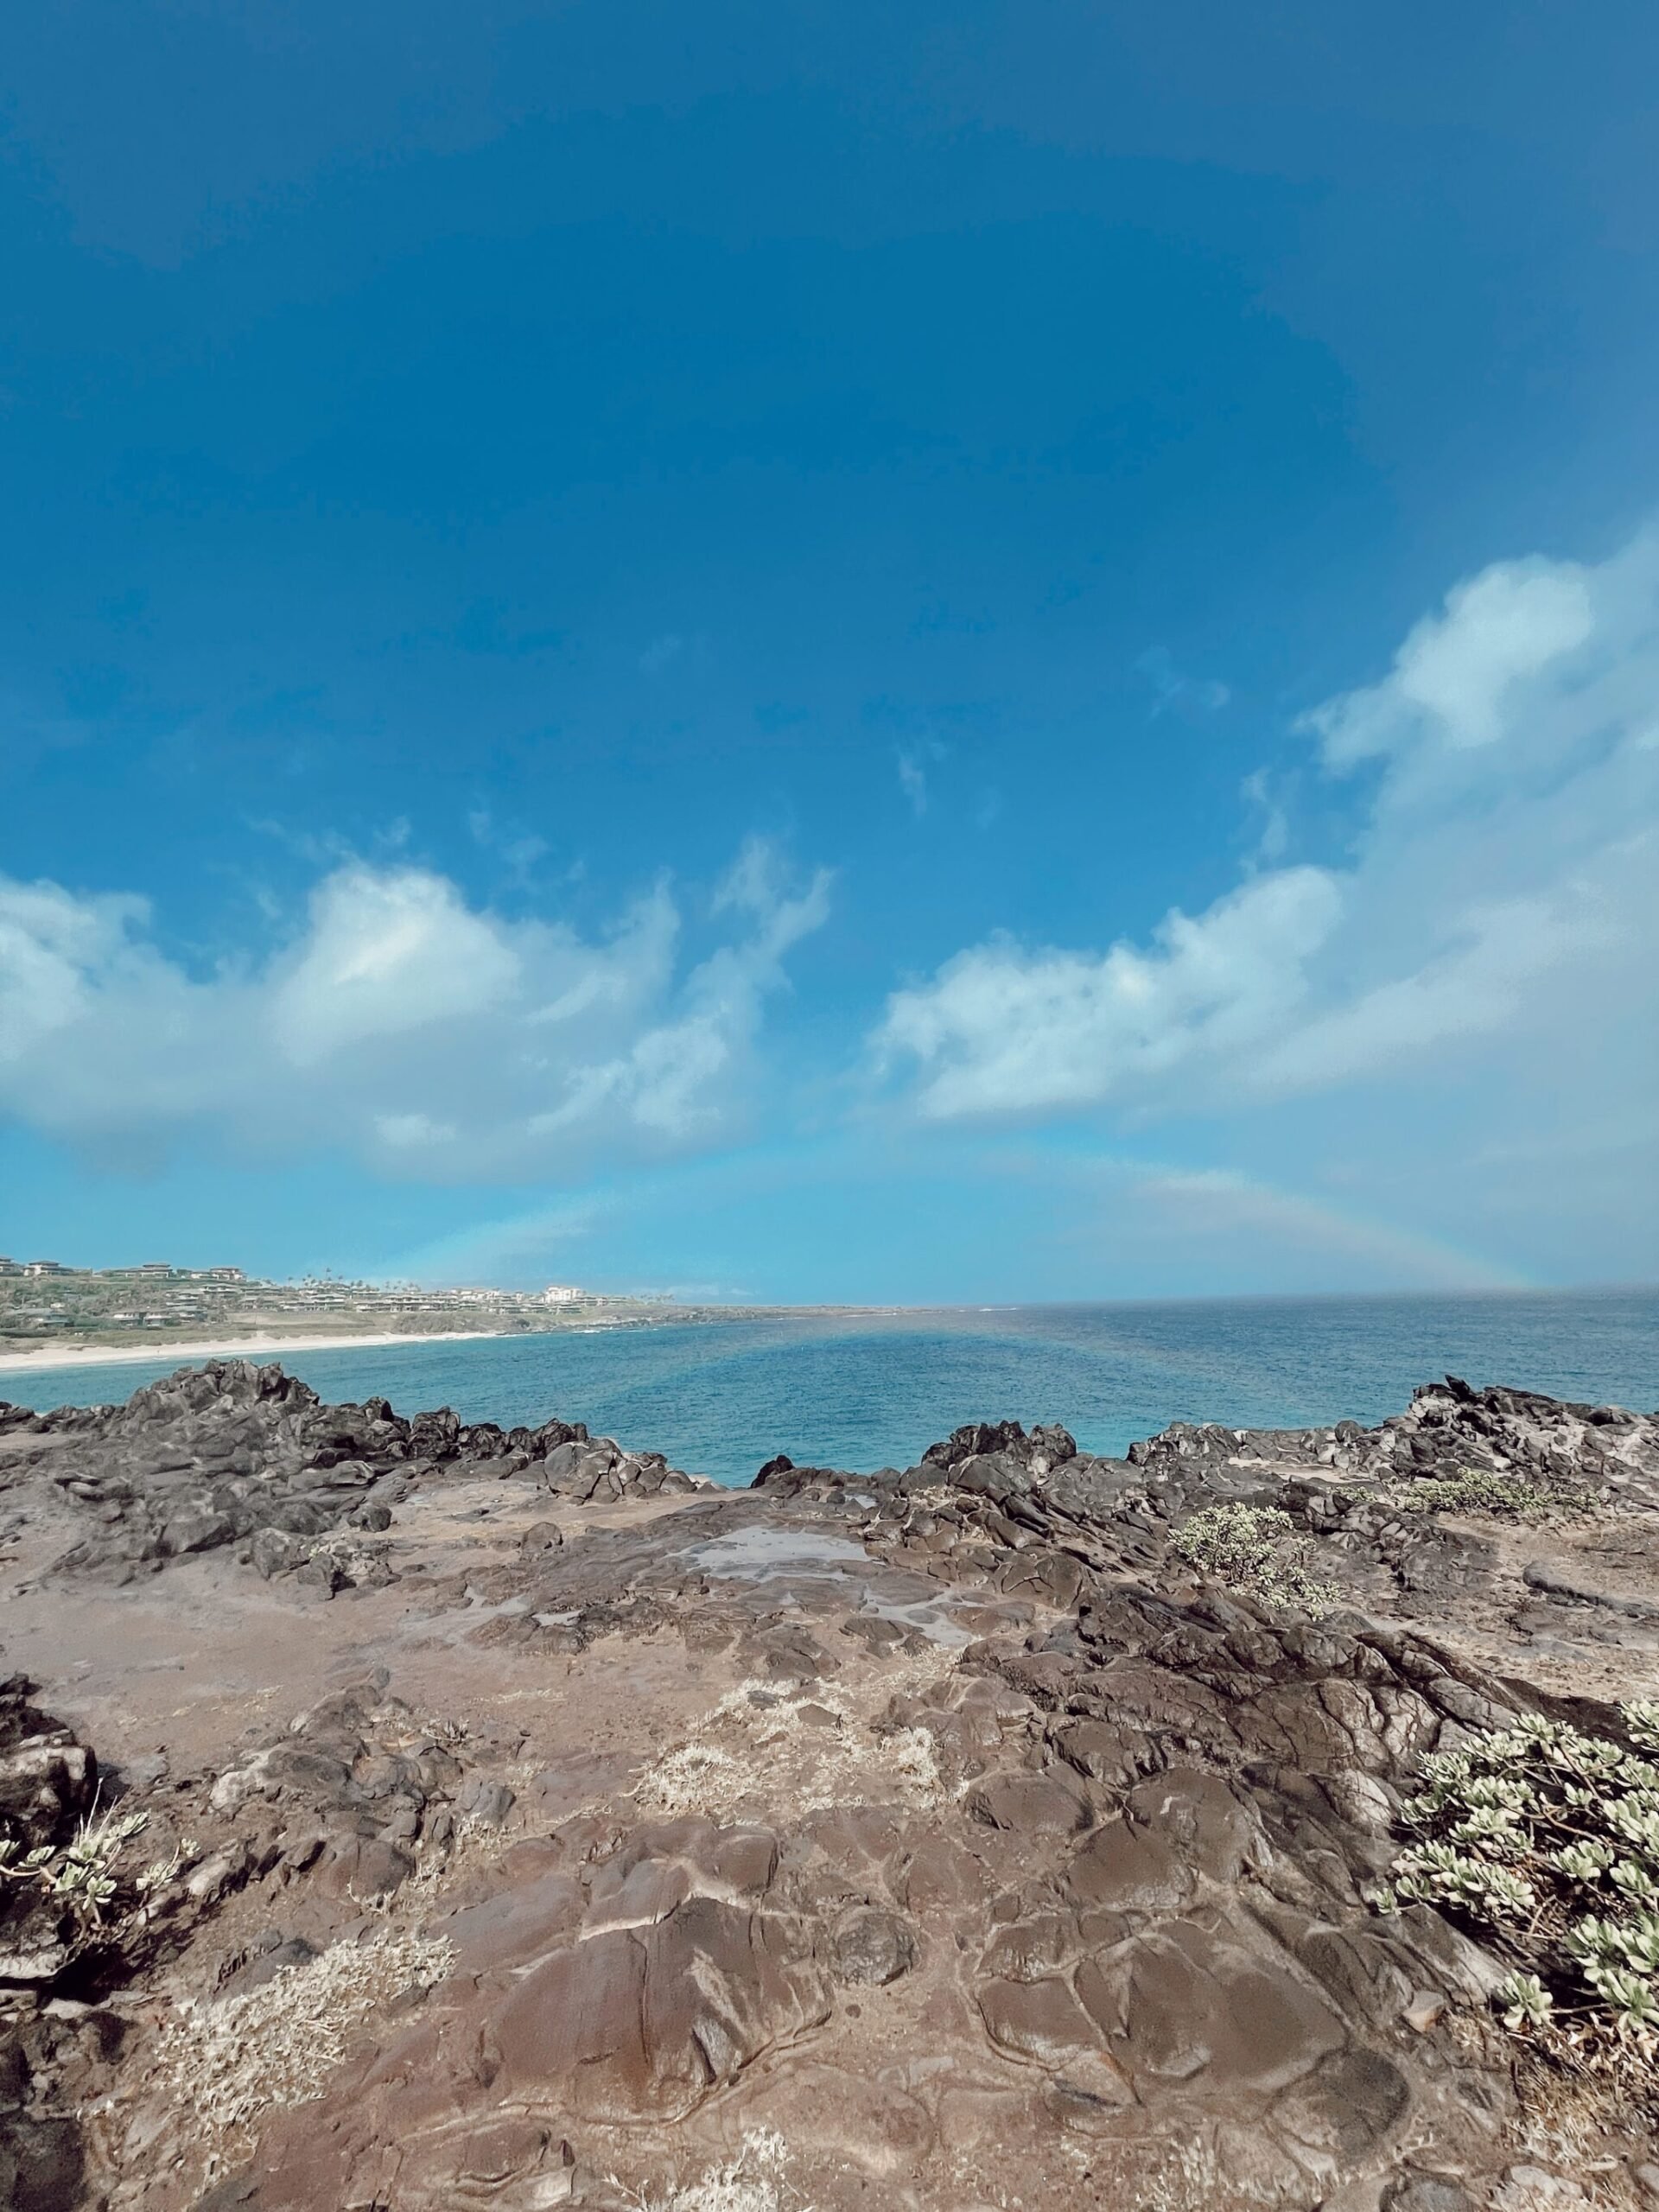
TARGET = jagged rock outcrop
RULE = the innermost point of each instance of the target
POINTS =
(230, 1453)
(48, 1780)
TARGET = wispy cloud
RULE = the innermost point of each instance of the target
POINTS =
(1506, 883)
(1271, 838)
(432, 1038)
(519, 851)
(518, 1247)
(913, 762)
(1175, 692)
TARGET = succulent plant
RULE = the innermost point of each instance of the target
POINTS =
(1479, 1490)
(84, 1877)
(1546, 1838)
(1254, 1549)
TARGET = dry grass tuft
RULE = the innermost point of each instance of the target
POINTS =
(231, 2063)
(752, 2181)
(1577, 2124)
(812, 1748)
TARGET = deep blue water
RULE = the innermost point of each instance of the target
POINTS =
(862, 1393)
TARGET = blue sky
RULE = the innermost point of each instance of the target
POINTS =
(808, 652)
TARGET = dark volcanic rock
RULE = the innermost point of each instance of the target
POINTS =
(931, 1838)
(47, 1777)
(233, 1453)
(48, 1780)
(1187, 1957)
(42, 2165)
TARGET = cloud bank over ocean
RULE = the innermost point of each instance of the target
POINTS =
(430, 1038)
(1501, 890)
(1504, 881)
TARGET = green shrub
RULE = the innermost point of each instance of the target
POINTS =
(84, 1884)
(1476, 1490)
(1254, 1549)
(1547, 1840)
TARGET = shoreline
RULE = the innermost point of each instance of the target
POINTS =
(264, 1342)
(258, 1346)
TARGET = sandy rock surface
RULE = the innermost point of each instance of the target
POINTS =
(531, 1824)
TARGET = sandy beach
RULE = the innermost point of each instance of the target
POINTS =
(259, 1346)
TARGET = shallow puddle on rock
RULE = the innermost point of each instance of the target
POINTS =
(927, 1618)
(758, 1552)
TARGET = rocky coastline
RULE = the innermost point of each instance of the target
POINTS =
(398, 1815)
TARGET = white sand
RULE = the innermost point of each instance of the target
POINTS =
(253, 1347)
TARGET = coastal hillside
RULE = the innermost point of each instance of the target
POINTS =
(400, 1813)
(51, 1314)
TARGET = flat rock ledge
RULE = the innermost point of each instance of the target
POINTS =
(541, 1825)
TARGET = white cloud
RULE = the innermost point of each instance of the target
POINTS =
(1457, 671)
(1000, 1030)
(399, 1022)
(1502, 901)
(1481, 985)
(385, 954)
(671, 1078)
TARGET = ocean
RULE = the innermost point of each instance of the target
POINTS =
(863, 1392)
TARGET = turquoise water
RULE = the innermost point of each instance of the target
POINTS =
(862, 1393)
